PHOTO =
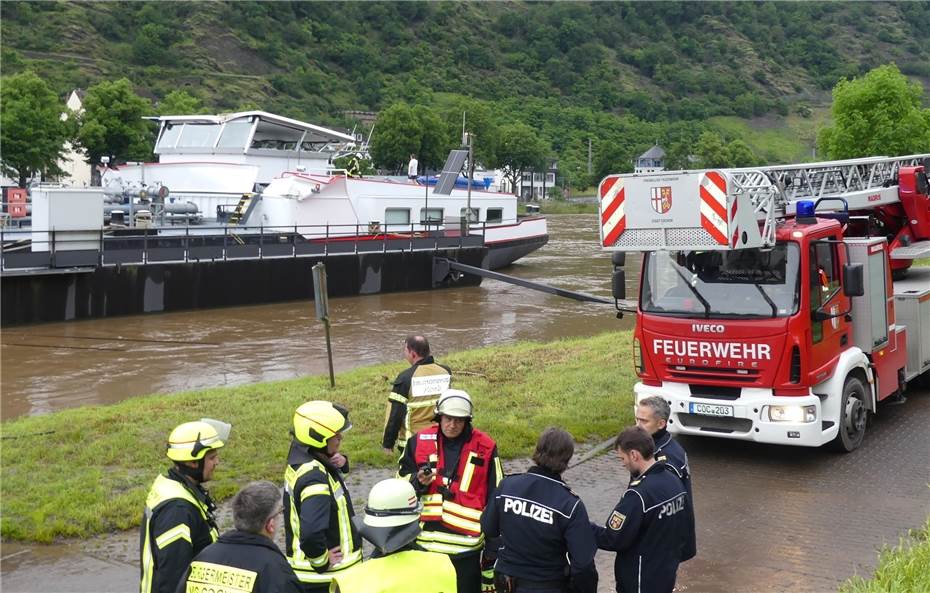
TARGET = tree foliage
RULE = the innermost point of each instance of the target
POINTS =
(32, 133)
(112, 123)
(179, 102)
(878, 114)
(402, 130)
(519, 149)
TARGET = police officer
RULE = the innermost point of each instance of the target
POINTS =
(246, 559)
(398, 565)
(546, 539)
(179, 517)
(649, 526)
(455, 469)
(413, 396)
(652, 414)
(319, 535)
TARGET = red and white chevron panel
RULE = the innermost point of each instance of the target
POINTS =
(714, 206)
(613, 216)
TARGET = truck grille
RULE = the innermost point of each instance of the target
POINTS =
(714, 374)
(715, 424)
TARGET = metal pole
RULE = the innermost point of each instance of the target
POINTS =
(329, 353)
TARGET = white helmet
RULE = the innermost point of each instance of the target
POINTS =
(392, 503)
(455, 403)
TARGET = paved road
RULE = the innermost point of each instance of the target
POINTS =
(770, 519)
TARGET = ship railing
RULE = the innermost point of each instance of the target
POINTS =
(24, 249)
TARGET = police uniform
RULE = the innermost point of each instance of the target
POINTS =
(546, 537)
(669, 451)
(413, 398)
(466, 471)
(178, 523)
(240, 562)
(317, 516)
(648, 529)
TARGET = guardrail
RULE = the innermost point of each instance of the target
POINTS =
(57, 249)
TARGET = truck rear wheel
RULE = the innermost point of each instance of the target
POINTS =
(854, 416)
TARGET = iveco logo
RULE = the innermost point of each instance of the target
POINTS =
(707, 328)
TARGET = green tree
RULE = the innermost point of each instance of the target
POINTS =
(878, 114)
(711, 152)
(32, 134)
(402, 130)
(740, 155)
(112, 123)
(519, 148)
(179, 102)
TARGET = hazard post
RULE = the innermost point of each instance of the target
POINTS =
(321, 304)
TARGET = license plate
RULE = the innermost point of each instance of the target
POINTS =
(710, 409)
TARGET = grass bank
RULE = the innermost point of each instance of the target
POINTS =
(563, 207)
(903, 569)
(85, 471)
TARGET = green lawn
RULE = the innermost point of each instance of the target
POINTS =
(85, 471)
(904, 569)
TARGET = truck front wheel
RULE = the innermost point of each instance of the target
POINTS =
(854, 416)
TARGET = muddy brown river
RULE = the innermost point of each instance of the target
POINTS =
(59, 365)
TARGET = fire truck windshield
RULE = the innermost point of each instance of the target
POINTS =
(738, 283)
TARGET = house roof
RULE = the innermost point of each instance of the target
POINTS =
(656, 152)
(262, 115)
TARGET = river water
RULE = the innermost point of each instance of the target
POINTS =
(59, 365)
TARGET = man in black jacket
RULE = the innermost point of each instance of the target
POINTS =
(652, 415)
(414, 393)
(546, 540)
(649, 527)
(246, 559)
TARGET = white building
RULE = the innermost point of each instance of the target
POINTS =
(74, 166)
(651, 161)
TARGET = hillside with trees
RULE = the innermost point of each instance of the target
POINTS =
(620, 75)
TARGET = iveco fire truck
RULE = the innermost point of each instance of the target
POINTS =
(777, 304)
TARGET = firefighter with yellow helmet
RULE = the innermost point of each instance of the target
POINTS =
(179, 517)
(397, 565)
(320, 538)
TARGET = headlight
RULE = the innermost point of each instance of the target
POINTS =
(794, 414)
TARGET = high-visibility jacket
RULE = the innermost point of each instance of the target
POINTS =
(411, 571)
(317, 516)
(456, 499)
(413, 397)
(240, 562)
(178, 523)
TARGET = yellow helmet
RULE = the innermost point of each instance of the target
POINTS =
(316, 422)
(191, 441)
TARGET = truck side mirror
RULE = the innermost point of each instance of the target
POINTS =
(618, 259)
(618, 284)
(853, 284)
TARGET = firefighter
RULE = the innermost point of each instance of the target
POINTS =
(652, 415)
(414, 393)
(179, 520)
(398, 564)
(320, 538)
(246, 559)
(454, 468)
(546, 539)
(649, 527)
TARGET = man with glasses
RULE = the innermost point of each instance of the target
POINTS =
(246, 558)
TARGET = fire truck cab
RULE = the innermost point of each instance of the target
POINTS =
(770, 316)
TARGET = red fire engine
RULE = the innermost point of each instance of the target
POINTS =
(777, 304)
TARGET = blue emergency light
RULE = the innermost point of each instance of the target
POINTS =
(805, 212)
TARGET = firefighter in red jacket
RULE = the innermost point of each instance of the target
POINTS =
(455, 469)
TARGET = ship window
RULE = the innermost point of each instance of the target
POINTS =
(495, 214)
(198, 135)
(394, 217)
(170, 136)
(472, 217)
(431, 215)
(235, 134)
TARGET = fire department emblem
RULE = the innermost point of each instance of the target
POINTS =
(616, 521)
(662, 199)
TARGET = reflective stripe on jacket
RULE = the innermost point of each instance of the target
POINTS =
(315, 495)
(165, 494)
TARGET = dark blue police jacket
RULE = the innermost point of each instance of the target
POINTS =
(540, 520)
(648, 529)
(669, 451)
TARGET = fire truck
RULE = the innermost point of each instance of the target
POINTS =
(776, 304)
